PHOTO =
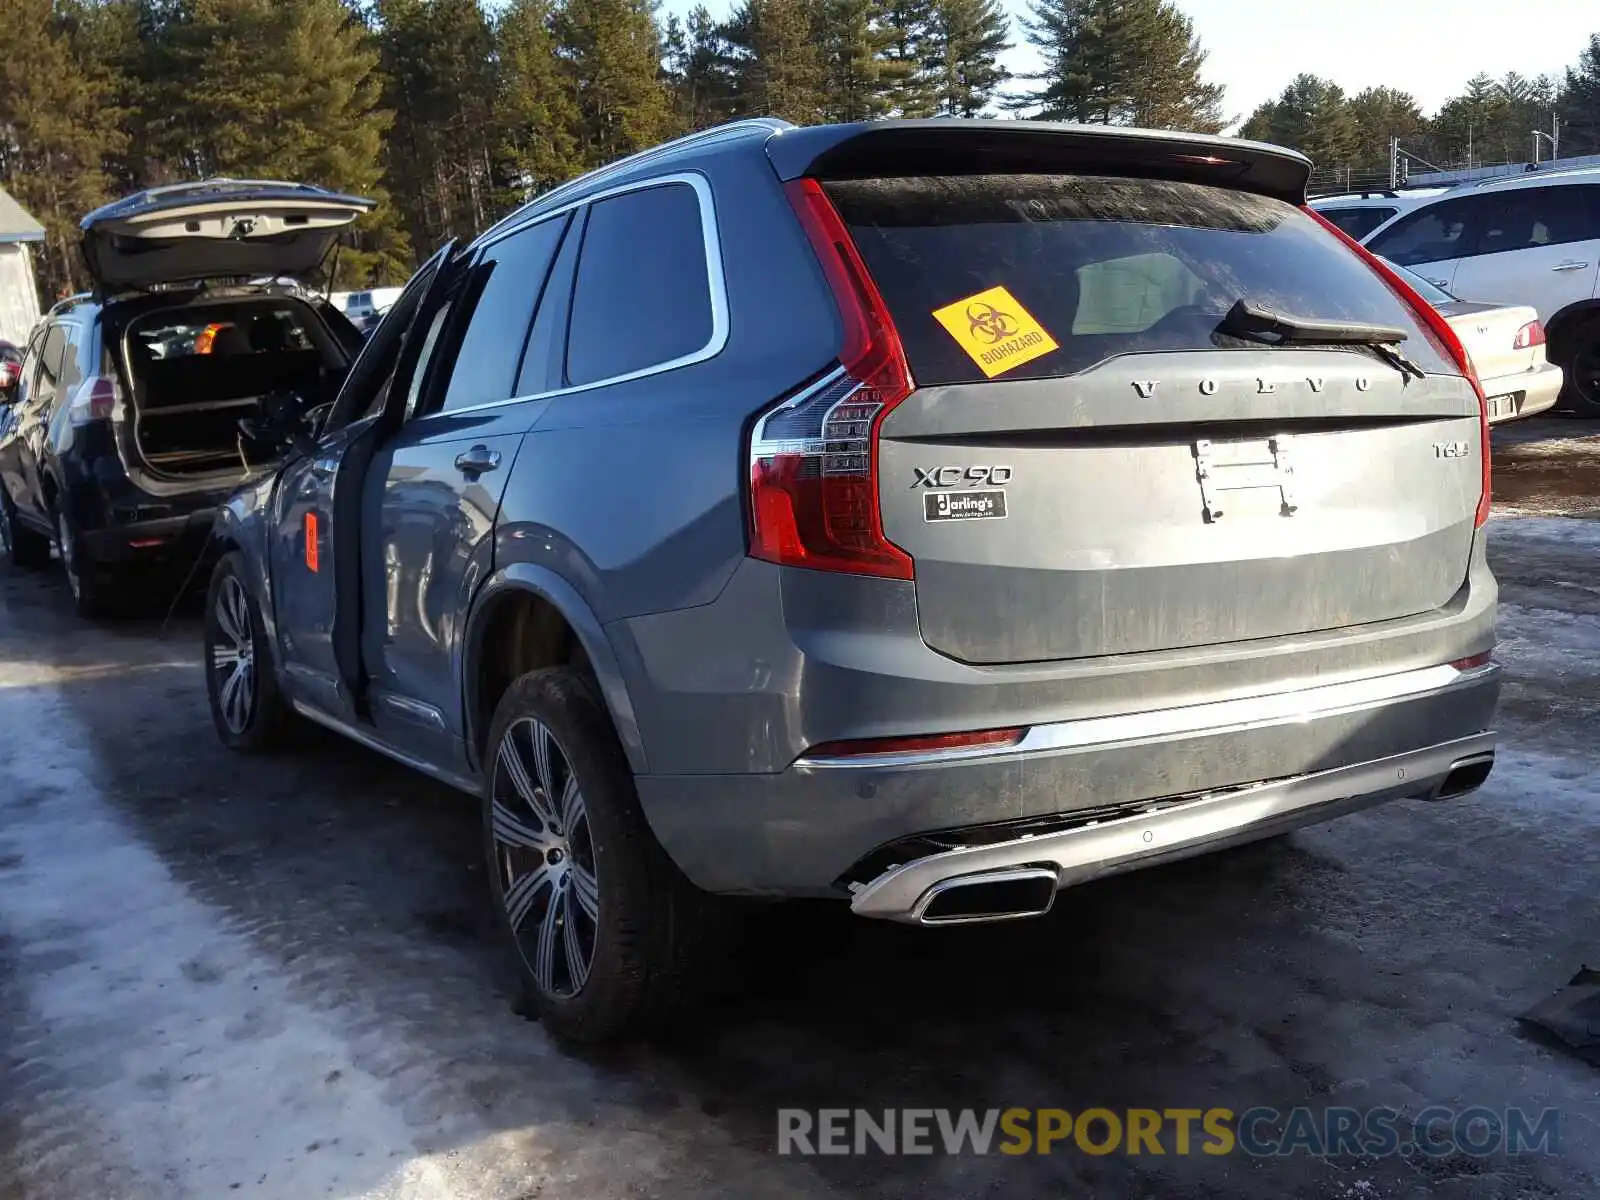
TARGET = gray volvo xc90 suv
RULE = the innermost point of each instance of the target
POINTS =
(924, 514)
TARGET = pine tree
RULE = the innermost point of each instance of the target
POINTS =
(1580, 100)
(908, 29)
(1382, 113)
(57, 124)
(275, 89)
(610, 52)
(1312, 116)
(534, 111)
(1120, 62)
(439, 82)
(778, 66)
(962, 55)
(860, 78)
(700, 70)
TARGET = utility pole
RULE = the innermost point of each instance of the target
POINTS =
(1394, 163)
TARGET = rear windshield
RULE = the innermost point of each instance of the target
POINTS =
(261, 327)
(1358, 222)
(1032, 276)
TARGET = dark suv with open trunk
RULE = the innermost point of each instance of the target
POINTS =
(926, 515)
(125, 433)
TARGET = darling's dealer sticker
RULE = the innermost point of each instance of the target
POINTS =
(997, 332)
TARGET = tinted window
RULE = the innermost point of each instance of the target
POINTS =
(1102, 266)
(1358, 222)
(508, 281)
(1426, 288)
(642, 296)
(50, 360)
(1528, 218)
(1432, 234)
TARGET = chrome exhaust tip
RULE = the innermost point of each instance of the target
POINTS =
(1008, 895)
(1465, 775)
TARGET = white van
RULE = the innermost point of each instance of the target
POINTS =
(1530, 239)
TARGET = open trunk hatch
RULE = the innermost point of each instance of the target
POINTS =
(1098, 461)
(219, 229)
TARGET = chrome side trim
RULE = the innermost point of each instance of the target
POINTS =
(714, 275)
(408, 709)
(1220, 716)
(311, 713)
(1183, 830)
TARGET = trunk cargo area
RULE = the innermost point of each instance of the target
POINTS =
(196, 371)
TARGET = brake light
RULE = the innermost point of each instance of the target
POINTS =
(8, 374)
(814, 456)
(95, 400)
(1440, 329)
(988, 739)
(1529, 336)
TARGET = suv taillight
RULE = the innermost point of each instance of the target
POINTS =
(95, 400)
(1529, 336)
(814, 456)
(1440, 328)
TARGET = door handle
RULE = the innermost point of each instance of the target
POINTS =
(1569, 266)
(1438, 283)
(477, 460)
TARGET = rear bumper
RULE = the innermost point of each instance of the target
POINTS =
(844, 827)
(1525, 394)
(162, 542)
(1181, 830)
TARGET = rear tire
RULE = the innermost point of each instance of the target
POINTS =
(1580, 361)
(609, 936)
(91, 591)
(22, 547)
(247, 709)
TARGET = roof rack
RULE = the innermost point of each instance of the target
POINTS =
(717, 133)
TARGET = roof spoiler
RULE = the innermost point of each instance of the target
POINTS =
(942, 146)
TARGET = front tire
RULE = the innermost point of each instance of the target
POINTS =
(247, 708)
(21, 546)
(610, 938)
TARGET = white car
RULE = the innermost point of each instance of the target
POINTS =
(1530, 239)
(1359, 213)
(1507, 345)
(364, 308)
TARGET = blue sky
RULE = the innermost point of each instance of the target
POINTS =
(1427, 47)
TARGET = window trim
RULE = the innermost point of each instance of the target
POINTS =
(714, 276)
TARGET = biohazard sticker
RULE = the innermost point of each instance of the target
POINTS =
(997, 332)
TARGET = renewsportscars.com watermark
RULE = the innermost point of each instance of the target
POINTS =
(1259, 1132)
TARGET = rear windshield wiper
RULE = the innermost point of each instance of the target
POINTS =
(1261, 324)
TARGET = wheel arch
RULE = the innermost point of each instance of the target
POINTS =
(1562, 324)
(545, 622)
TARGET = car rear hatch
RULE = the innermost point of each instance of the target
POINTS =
(217, 229)
(1097, 459)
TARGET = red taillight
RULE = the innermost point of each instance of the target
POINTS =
(814, 456)
(987, 739)
(8, 374)
(95, 400)
(1473, 662)
(1529, 336)
(1440, 328)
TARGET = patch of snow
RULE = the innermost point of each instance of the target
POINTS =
(1510, 525)
(153, 1030)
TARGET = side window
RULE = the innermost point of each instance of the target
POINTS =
(642, 296)
(50, 359)
(29, 365)
(1358, 222)
(430, 345)
(1431, 234)
(71, 362)
(1528, 218)
(507, 281)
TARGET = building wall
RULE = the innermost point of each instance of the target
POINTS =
(19, 293)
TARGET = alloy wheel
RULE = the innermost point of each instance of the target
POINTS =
(544, 857)
(233, 666)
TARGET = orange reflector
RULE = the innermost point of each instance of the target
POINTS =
(311, 541)
(923, 744)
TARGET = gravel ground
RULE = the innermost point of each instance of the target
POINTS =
(279, 979)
